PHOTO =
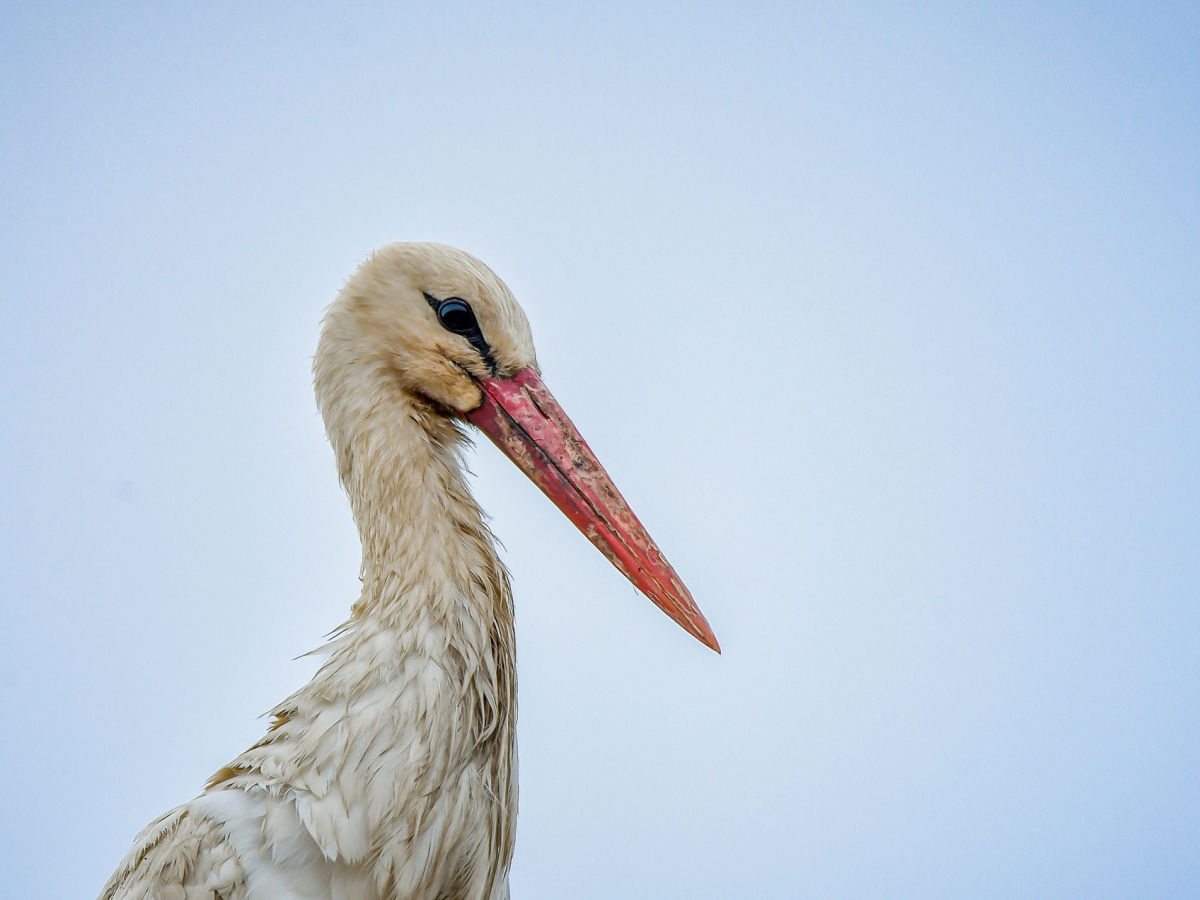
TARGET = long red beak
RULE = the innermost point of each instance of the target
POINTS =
(525, 421)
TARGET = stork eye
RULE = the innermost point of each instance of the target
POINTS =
(455, 315)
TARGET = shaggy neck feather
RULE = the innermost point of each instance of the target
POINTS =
(430, 570)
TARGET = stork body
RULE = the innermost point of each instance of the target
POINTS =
(392, 774)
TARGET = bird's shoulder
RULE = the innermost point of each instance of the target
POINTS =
(181, 855)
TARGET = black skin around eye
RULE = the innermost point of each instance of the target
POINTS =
(456, 316)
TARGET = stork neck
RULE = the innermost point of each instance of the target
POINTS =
(424, 541)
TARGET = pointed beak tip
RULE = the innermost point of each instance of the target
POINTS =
(710, 641)
(697, 626)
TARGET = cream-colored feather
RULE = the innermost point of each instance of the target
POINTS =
(392, 774)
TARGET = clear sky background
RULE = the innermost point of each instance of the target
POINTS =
(885, 318)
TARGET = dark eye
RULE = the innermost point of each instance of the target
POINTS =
(455, 315)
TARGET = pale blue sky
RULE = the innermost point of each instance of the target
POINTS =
(885, 319)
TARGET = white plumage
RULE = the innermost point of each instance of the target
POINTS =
(392, 774)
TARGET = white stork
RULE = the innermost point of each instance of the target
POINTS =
(392, 774)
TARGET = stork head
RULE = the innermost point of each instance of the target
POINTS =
(436, 319)
(439, 326)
